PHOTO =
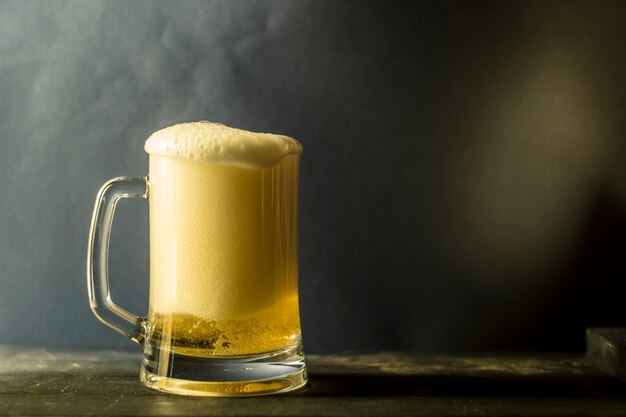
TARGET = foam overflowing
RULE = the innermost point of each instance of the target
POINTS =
(216, 143)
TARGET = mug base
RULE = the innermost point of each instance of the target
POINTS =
(270, 373)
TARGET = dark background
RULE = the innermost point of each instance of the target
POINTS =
(463, 184)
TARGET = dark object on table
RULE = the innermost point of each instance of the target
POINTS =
(606, 349)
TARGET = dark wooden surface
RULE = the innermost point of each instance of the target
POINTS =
(37, 381)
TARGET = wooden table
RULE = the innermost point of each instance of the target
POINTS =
(38, 381)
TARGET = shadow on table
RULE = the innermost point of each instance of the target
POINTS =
(460, 386)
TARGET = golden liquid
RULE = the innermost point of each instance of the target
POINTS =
(223, 257)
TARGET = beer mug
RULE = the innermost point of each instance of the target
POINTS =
(223, 316)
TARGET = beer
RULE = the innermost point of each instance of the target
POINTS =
(223, 241)
(223, 314)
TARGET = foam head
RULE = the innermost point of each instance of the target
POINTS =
(216, 143)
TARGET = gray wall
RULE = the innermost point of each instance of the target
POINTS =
(463, 181)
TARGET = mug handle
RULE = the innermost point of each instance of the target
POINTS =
(100, 301)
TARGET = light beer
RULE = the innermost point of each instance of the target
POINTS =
(223, 314)
(223, 241)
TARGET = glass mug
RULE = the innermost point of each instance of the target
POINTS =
(223, 316)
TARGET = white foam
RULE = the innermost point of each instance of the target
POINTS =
(216, 143)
